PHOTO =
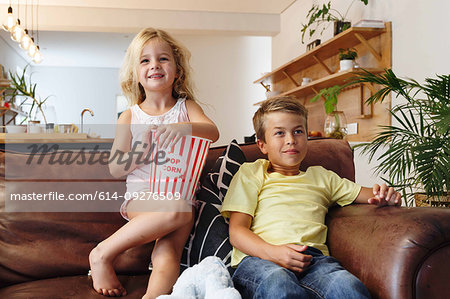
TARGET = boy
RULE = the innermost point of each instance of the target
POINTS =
(277, 214)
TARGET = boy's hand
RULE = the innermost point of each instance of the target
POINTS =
(289, 256)
(384, 195)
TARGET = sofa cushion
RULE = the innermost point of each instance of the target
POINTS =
(209, 236)
(215, 185)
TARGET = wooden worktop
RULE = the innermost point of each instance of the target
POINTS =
(51, 138)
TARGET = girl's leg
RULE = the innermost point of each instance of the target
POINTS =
(166, 258)
(142, 228)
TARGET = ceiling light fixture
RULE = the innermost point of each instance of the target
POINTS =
(16, 31)
(26, 39)
(10, 22)
(18, 34)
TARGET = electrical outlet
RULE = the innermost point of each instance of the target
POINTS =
(352, 128)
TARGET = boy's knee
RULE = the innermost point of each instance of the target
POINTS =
(278, 278)
(279, 283)
(348, 286)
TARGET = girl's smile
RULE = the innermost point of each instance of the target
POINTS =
(157, 68)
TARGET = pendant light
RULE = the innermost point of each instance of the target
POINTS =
(32, 49)
(37, 56)
(16, 31)
(10, 22)
(18, 34)
(26, 39)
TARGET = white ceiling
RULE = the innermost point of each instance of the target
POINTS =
(96, 33)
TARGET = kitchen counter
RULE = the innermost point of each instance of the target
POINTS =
(23, 142)
(51, 138)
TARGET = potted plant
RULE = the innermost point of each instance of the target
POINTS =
(335, 123)
(418, 147)
(347, 58)
(25, 93)
(320, 15)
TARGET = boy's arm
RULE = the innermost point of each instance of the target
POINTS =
(379, 195)
(288, 255)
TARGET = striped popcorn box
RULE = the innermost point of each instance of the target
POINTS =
(175, 172)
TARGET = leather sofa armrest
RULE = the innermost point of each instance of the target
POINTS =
(389, 248)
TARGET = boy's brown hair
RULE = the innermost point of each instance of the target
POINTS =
(289, 104)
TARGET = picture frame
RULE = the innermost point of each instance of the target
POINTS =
(312, 44)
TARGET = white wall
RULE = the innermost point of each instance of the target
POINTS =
(73, 89)
(224, 68)
(9, 57)
(420, 46)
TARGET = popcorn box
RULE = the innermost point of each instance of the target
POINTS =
(177, 173)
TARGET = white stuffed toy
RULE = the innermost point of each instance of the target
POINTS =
(207, 280)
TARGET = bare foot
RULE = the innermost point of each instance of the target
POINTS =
(104, 277)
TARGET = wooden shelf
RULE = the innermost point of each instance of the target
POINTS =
(321, 64)
(347, 39)
(338, 78)
(4, 110)
(4, 82)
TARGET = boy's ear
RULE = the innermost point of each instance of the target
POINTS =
(262, 146)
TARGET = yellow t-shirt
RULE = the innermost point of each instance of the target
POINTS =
(287, 209)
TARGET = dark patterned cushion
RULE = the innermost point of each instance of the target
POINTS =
(209, 236)
(215, 185)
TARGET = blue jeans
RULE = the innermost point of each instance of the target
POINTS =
(324, 278)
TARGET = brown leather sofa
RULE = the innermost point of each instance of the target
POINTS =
(397, 252)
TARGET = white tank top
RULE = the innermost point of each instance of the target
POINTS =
(139, 179)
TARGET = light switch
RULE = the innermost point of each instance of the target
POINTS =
(352, 128)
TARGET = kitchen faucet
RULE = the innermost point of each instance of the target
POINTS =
(82, 113)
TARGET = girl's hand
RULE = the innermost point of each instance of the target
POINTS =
(170, 134)
(384, 195)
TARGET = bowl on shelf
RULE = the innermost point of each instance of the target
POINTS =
(271, 94)
(16, 129)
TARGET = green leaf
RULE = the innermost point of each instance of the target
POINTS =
(419, 149)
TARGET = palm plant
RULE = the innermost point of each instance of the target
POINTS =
(418, 145)
(20, 87)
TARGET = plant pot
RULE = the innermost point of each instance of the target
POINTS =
(340, 26)
(346, 64)
(335, 125)
(422, 200)
(16, 129)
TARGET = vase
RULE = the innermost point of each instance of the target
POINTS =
(335, 125)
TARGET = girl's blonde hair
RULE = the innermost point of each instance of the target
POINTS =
(129, 78)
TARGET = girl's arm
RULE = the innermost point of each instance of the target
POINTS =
(199, 125)
(202, 126)
(123, 156)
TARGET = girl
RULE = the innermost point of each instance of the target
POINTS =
(155, 76)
